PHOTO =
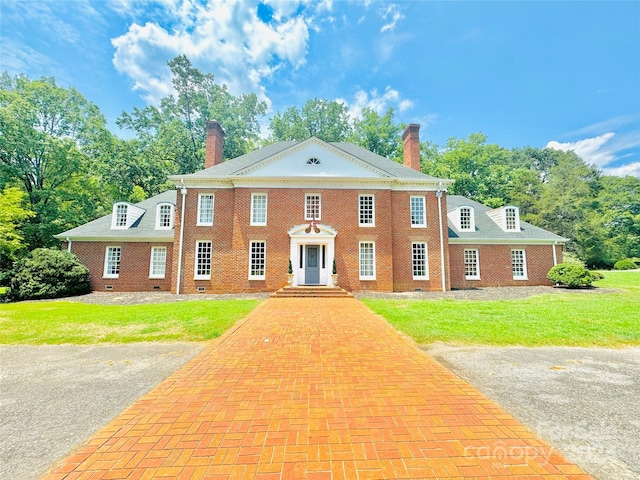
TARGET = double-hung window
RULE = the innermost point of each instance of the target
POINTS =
(112, 262)
(312, 207)
(158, 263)
(366, 211)
(511, 218)
(205, 209)
(419, 261)
(418, 212)
(257, 260)
(203, 260)
(258, 209)
(367, 261)
(164, 217)
(471, 264)
(519, 264)
(466, 222)
(121, 216)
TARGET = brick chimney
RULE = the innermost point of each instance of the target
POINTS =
(411, 140)
(213, 144)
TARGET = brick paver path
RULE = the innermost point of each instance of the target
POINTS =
(318, 389)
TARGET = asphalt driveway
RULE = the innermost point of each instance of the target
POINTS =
(583, 401)
(53, 397)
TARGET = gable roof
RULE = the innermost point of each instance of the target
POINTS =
(488, 231)
(240, 166)
(144, 230)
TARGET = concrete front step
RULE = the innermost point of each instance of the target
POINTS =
(311, 291)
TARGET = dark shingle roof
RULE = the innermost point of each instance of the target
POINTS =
(143, 230)
(487, 229)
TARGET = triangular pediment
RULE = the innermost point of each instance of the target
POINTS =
(312, 158)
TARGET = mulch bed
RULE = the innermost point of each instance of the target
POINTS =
(487, 293)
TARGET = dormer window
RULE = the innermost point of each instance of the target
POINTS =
(120, 215)
(507, 218)
(164, 216)
(463, 218)
(511, 220)
(466, 218)
(125, 215)
(313, 161)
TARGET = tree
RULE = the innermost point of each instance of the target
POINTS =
(46, 131)
(567, 203)
(378, 134)
(12, 214)
(171, 136)
(326, 120)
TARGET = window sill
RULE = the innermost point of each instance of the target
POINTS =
(202, 277)
(418, 226)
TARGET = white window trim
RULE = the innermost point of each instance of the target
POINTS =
(114, 220)
(106, 256)
(264, 275)
(266, 204)
(360, 275)
(472, 219)
(516, 212)
(477, 256)
(157, 275)
(213, 208)
(195, 261)
(309, 217)
(373, 210)
(525, 275)
(171, 213)
(424, 212)
(426, 261)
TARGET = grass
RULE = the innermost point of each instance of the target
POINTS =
(570, 319)
(37, 323)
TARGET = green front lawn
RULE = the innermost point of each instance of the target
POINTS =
(573, 318)
(36, 323)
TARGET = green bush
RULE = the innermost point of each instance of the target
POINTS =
(571, 275)
(625, 264)
(46, 273)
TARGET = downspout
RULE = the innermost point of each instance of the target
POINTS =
(68, 244)
(183, 190)
(442, 269)
(555, 255)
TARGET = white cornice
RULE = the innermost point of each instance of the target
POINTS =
(507, 241)
(317, 182)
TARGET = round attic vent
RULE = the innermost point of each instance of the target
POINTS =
(313, 161)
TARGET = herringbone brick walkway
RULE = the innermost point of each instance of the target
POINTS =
(317, 389)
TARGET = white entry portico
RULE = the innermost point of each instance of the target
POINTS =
(312, 246)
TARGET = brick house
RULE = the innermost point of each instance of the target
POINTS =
(236, 225)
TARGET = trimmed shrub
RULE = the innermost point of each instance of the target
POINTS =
(46, 273)
(625, 264)
(571, 275)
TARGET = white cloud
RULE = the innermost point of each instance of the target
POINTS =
(377, 102)
(591, 150)
(392, 15)
(632, 169)
(224, 37)
(607, 151)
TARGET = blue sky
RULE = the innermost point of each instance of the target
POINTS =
(559, 74)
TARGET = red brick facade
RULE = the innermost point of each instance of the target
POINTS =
(134, 266)
(494, 263)
(231, 233)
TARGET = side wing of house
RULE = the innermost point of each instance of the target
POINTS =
(131, 249)
(493, 247)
